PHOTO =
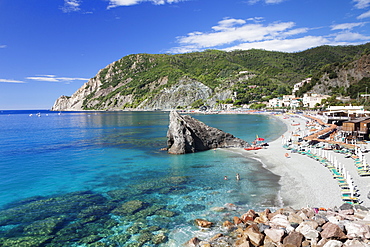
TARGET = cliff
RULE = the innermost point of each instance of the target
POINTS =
(188, 135)
(349, 78)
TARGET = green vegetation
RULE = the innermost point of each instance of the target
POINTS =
(256, 75)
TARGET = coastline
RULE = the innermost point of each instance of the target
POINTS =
(304, 181)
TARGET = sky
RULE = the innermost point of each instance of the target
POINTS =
(50, 48)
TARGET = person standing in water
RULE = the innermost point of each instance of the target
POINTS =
(237, 176)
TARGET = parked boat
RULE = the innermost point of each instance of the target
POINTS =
(252, 148)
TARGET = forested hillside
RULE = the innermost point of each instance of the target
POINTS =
(151, 81)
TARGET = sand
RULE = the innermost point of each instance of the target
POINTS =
(305, 181)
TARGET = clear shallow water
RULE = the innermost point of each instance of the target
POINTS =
(116, 157)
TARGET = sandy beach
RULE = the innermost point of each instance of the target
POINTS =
(305, 181)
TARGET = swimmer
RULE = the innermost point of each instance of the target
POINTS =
(225, 177)
(237, 176)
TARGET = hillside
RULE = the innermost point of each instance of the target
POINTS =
(165, 81)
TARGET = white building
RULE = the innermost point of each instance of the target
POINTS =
(284, 101)
(298, 85)
(311, 99)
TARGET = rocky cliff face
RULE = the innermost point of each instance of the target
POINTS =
(343, 76)
(163, 93)
(188, 135)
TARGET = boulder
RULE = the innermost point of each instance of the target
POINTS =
(308, 229)
(331, 231)
(203, 223)
(275, 235)
(293, 239)
(356, 230)
(188, 135)
(279, 220)
(333, 243)
(237, 220)
(254, 235)
(249, 216)
(193, 242)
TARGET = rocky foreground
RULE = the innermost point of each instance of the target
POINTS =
(344, 226)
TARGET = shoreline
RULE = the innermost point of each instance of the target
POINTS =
(303, 181)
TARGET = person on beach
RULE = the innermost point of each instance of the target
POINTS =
(237, 176)
(287, 155)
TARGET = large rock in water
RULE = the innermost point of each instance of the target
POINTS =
(188, 135)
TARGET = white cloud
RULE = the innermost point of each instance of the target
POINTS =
(53, 78)
(230, 34)
(364, 15)
(71, 6)
(11, 81)
(117, 3)
(2, 46)
(227, 32)
(344, 26)
(350, 36)
(285, 45)
(361, 4)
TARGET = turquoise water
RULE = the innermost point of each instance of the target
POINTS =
(57, 167)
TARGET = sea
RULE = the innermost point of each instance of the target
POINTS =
(103, 179)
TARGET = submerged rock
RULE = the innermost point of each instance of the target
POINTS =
(188, 135)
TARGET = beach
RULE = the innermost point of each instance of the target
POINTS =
(304, 181)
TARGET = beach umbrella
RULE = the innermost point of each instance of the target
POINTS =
(351, 189)
(365, 164)
(364, 161)
(336, 165)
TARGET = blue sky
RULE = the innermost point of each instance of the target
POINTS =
(51, 48)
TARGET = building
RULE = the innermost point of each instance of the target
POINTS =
(298, 85)
(339, 114)
(311, 99)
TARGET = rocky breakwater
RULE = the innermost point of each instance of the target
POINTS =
(188, 135)
(344, 226)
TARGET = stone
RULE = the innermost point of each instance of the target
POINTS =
(263, 227)
(356, 243)
(194, 242)
(203, 223)
(347, 211)
(254, 235)
(346, 206)
(319, 220)
(263, 217)
(215, 237)
(228, 224)
(293, 239)
(242, 243)
(204, 244)
(279, 220)
(248, 216)
(295, 218)
(308, 229)
(331, 230)
(237, 220)
(188, 135)
(356, 230)
(275, 235)
(333, 243)
(218, 209)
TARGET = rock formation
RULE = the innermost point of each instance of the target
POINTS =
(347, 225)
(188, 135)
